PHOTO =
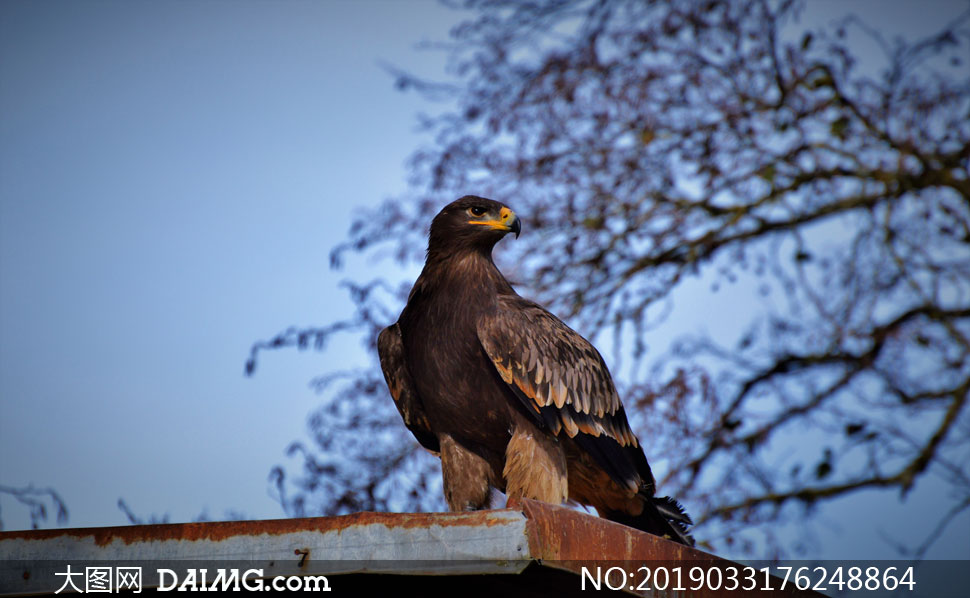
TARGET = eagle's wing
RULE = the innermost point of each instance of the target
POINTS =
(398, 377)
(564, 383)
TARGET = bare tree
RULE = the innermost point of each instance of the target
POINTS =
(650, 144)
(38, 501)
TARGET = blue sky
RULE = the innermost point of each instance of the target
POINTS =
(172, 178)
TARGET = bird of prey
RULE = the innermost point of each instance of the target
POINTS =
(505, 393)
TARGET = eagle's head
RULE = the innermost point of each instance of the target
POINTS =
(472, 222)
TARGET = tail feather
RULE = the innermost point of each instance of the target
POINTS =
(673, 510)
(661, 516)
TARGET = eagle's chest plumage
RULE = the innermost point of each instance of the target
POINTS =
(461, 391)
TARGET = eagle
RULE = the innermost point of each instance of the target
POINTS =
(508, 395)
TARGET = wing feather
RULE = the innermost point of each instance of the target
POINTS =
(564, 383)
(553, 366)
(390, 349)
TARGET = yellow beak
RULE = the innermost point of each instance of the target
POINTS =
(507, 222)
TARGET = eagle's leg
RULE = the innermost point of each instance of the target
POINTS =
(535, 467)
(465, 476)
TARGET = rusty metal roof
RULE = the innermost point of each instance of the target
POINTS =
(530, 549)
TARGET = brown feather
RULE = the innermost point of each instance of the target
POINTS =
(534, 337)
(399, 382)
(535, 467)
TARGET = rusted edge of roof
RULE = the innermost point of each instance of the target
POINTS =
(221, 530)
(570, 540)
(482, 542)
(561, 534)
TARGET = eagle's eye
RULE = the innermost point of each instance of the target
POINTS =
(477, 210)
